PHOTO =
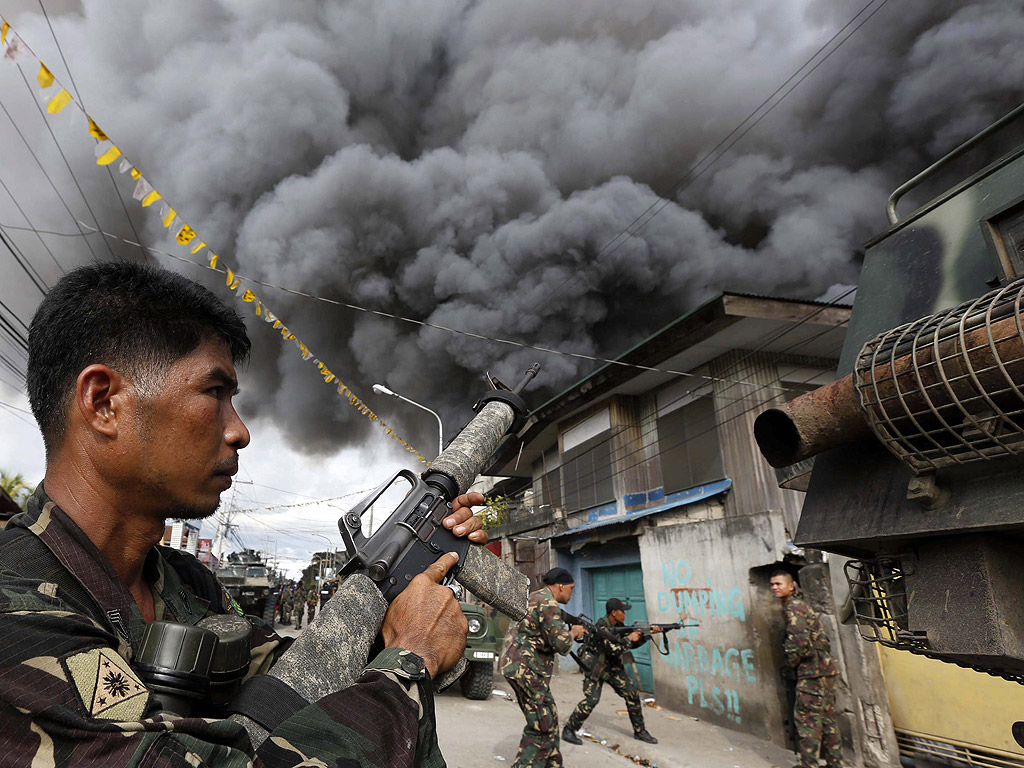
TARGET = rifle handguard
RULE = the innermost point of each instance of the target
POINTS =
(495, 582)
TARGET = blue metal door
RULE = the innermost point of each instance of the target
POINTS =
(625, 582)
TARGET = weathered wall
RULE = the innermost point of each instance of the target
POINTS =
(723, 670)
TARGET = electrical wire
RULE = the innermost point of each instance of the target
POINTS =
(22, 262)
(729, 141)
(60, 151)
(53, 185)
(28, 221)
(78, 98)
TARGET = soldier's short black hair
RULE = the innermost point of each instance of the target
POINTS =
(782, 572)
(135, 318)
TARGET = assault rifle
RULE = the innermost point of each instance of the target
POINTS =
(616, 634)
(336, 646)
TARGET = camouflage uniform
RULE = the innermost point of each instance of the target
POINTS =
(807, 650)
(602, 658)
(298, 605)
(527, 664)
(69, 696)
(286, 605)
(312, 599)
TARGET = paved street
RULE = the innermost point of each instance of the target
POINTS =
(473, 734)
(480, 733)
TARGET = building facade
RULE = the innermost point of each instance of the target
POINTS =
(647, 485)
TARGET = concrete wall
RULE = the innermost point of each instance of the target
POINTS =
(725, 670)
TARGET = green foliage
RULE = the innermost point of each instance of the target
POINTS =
(16, 487)
(496, 511)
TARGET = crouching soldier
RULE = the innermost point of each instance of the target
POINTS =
(601, 658)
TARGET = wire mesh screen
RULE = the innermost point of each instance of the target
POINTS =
(949, 389)
(878, 592)
(879, 596)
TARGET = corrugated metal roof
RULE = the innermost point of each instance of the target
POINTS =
(691, 496)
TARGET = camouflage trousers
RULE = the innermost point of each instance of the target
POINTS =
(814, 713)
(297, 612)
(622, 684)
(539, 746)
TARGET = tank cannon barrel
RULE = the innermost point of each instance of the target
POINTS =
(945, 389)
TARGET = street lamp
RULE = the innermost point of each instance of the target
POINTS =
(380, 389)
(334, 555)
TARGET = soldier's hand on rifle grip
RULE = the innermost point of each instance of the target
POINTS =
(427, 619)
(577, 631)
(634, 637)
(463, 522)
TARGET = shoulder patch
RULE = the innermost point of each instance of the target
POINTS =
(108, 687)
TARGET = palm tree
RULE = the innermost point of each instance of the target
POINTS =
(15, 487)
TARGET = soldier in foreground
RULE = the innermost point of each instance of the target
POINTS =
(601, 658)
(528, 663)
(131, 374)
(806, 649)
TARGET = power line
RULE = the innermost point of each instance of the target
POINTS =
(60, 151)
(30, 224)
(78, 97)
(26, 267)
(424, 323)
(729, 141)
(53, 186)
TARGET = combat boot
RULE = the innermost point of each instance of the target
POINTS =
(570, 736)
(643, 735)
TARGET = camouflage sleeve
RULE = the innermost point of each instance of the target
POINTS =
(67, 697)
(556, 631)
(797, 644)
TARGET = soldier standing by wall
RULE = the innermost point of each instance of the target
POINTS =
(601, 658)
(528, 663)
(806, 649)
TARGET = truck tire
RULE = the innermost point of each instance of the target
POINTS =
(477, 681)
(267, 611)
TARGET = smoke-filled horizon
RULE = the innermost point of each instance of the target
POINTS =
(464, 162)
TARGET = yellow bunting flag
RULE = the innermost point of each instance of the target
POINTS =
(109, 156)
(186, 235)
(58, 102)
(96, 132)
(106, 153)
(45, 76)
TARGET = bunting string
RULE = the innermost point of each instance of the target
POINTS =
(56, 99)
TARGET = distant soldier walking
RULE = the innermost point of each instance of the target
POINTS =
(601, 658)
(527, 665)
(298, 604)
(807, 651)
(287, 601)
(312, 599)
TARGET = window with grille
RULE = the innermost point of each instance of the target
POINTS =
(689, 446)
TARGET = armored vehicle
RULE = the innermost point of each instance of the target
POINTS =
(917, 451)
(482, 646)
(247, 579)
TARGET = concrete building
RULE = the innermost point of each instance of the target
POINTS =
(647, 485)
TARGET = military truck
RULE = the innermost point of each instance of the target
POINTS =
(247, 579)
(483, 644)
